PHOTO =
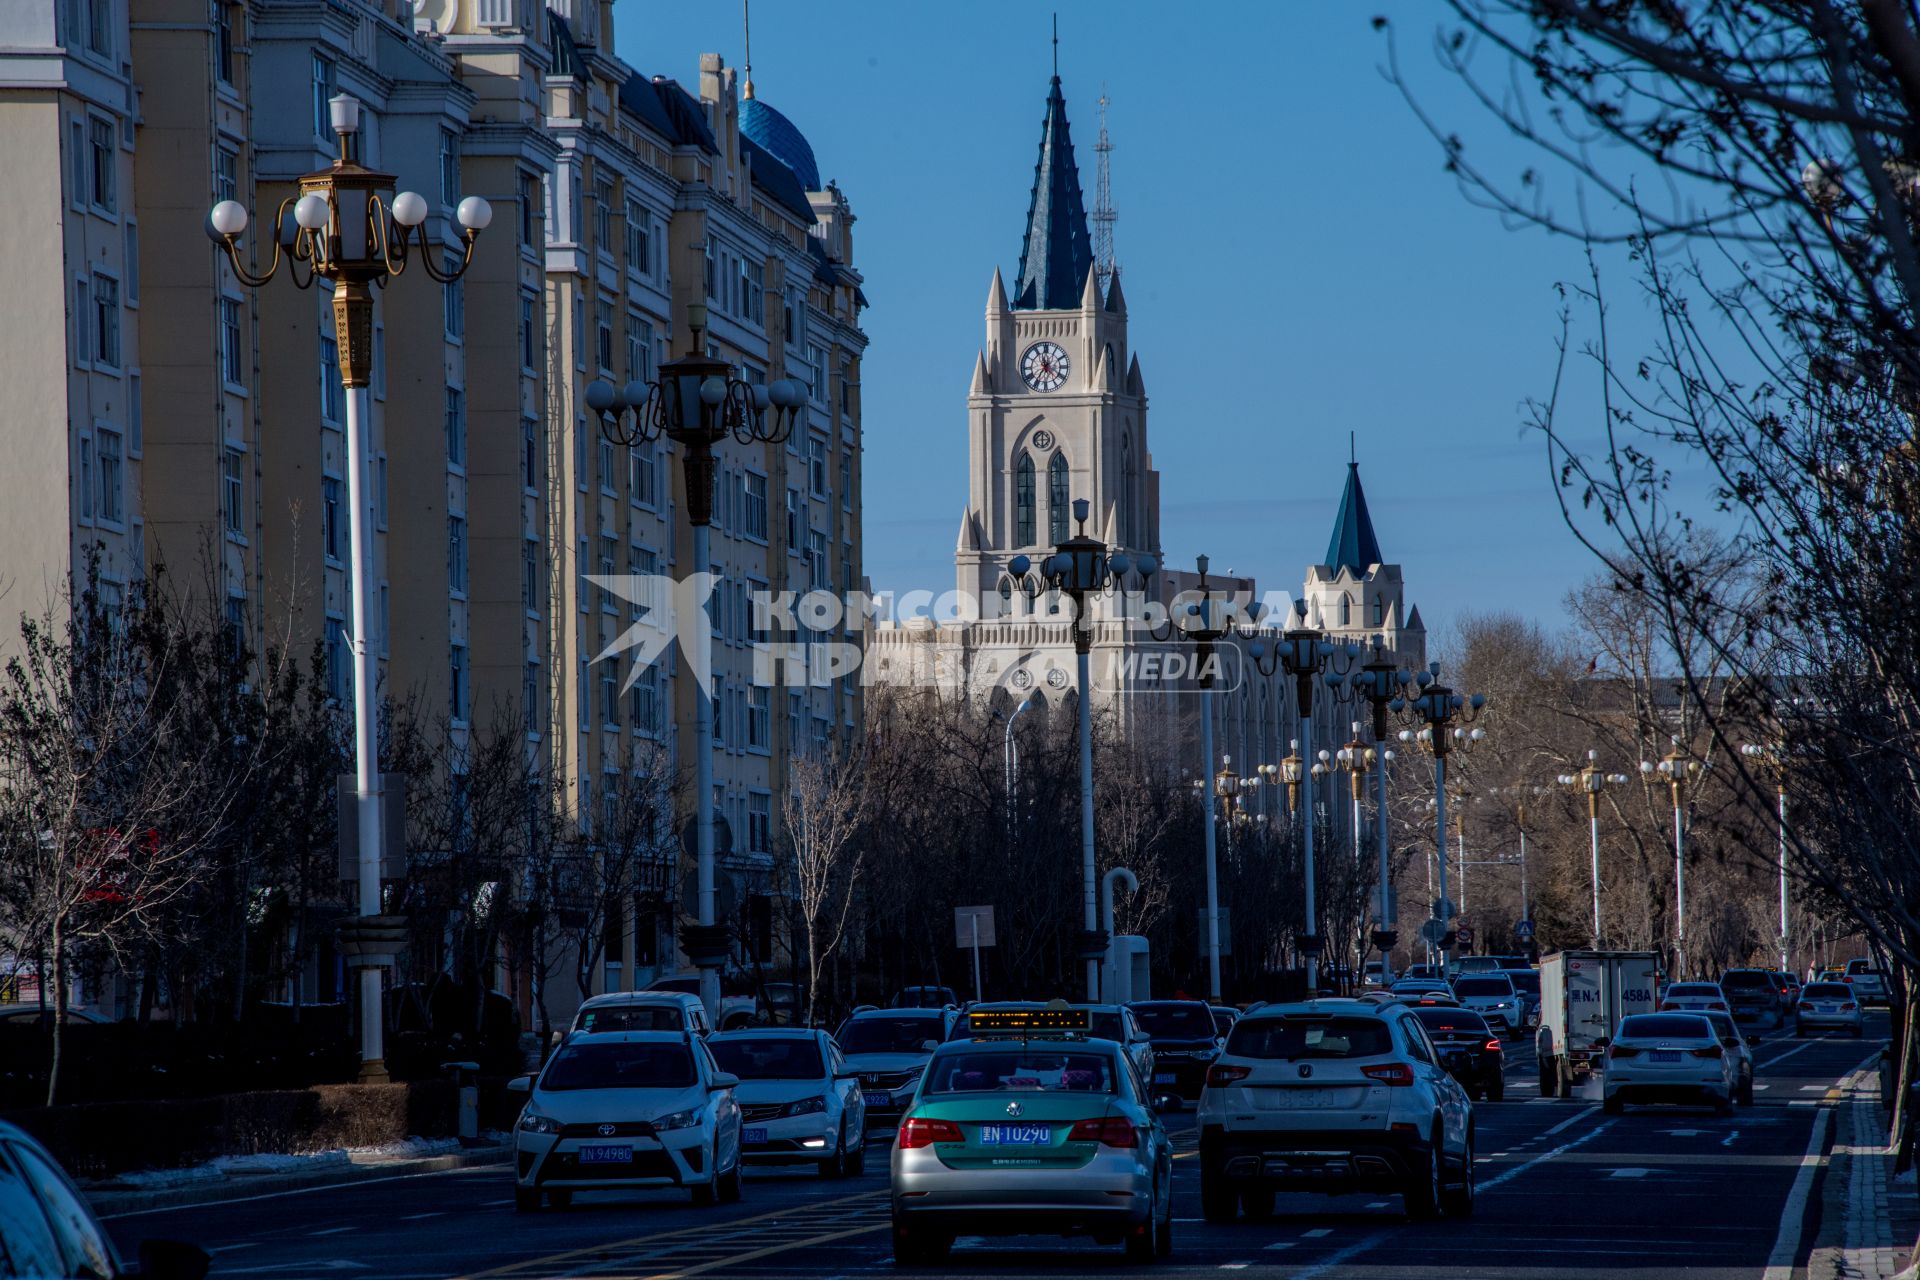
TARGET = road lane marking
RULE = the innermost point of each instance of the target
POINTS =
(1786, 1245)
(1782, 1057)
(332, 1231)
(1631, 1173)
(305, 1191)
(1280, 1244)
(1570, 1121)
(1342, 1257)
(1728, 1140)
(437, 1213)
(1545, 1156)
(1317, 1231)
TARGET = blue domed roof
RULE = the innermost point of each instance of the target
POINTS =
(776, 133)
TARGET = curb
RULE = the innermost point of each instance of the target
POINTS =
(109, 1203)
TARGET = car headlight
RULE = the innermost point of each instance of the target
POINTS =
(534, 1122)
(679, 1119)
(806, 1106)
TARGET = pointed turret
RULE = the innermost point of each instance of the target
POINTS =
(1105, 376)
(1136, 385)
(1057, 252)
(982, 383)
(1090, 296)
(969, 540)
(1116, 301)
(996, 295)
(1353, 546)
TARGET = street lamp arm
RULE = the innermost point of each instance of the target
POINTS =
(229, 221)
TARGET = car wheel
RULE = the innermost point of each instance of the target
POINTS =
(1549, 1079)
(526, 1199)
(1219, 1199)
(561, 1199)
(705, 1193)
(1458, 1200)
(1497, 1089)
(727, 1185)
(1164, 1248)
(1421, 1193)
(1143, 1242)
(1614, 1106)
(835, 1165)
(913, 1247)
(1257, 1202)
(857, 1158)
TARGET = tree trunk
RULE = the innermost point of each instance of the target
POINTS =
(813, 975)
(59, 1008)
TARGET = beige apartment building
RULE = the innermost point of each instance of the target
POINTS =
(211, 441)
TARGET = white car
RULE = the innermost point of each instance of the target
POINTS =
(1335, 1096)
(643, 1011)
(1869, 982)
(1739, 1048)
(889, 1049)
(799, 1101)
(1493, 997)
(1694, 997)
(627, 1111)
(1667, 1057)
(1829, 1006)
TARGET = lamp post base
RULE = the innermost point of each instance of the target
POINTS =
(374, 1071)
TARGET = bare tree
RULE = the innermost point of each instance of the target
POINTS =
(824, 811)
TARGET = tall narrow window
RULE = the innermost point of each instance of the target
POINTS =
(449, 168)
(457, 681)
(233, 366)
(223, 18)
(454, 302)
(232, 489)
(456, 427)
(330, 392)
(1346, 611)
(226, 175)
(111, 503)
(1023, 519)
(529, 454)
(106, 321)
(330, 539)
(1129, 496)
(1059, 503)
(322, 92)
(457, 554)
(100, 27)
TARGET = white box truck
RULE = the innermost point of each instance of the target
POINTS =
(1583, 997)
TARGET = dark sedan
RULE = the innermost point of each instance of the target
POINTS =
(1469, 1049)
(1185, 1043)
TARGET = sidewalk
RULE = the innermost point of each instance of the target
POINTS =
(241, 1178)
(1868, 1221)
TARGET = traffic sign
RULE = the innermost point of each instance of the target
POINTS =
(1433, 930)
(1443, 909)
(1524, 931)
(973, 927)
(1466, 936)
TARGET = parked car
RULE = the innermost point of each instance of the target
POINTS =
(1752, 996)
(18, 1015)
(1469, 1049)
(1492, 996)
(924, 998)
(1789, 988)
(1185, 1043)
(1830, 1006)
(1693, 997)
(737, 1007)
(1868, 981)
(627, 1110)
(1527, 983)
(1667, 1057)
(1739, 1047)
(889, 1049)
(1115, 1022)
(1351, 1096)
(643, 1011)
(800, 1103)
(1224, 1017)
(1374, 973)
(48, 1229)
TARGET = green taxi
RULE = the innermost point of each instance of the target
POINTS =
(1031, 1127)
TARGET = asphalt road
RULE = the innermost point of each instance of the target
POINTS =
(1564, 1191)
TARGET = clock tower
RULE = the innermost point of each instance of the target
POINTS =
(1057, 409)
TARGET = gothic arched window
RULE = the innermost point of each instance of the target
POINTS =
(1023, 522)
(1129, 511)
(1058, 500)
(1379, 611)
(1346, 611)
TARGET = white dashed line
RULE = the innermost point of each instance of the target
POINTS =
(1317, 1232)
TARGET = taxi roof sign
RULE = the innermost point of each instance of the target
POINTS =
(1006, 1020)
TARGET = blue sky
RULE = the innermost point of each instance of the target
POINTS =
(1298, 266)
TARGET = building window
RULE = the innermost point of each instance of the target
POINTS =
(457, 554)
(532, 695)
(609, 695)
(330, 518)
(639, 349)
(102, 155)
(607, 466)
(136, 420)
(1058, 500)
(236, 621)
(457, 681)
(233, 490)
(530, 454)
(323, 90)
(530, 211)
(718, 697)
(339, 670)
(454, 302)
(639, 239)
(752, 293)
(232, 356)
(106, 321)
(817, 557)
(223, 20)
(82, 322)
(110, 454)
(793, 520)
(226, 173)
(86, 477)
(603, 217)
(846, 479)
(817, 465)
(100, 27)
(753, 515)
(1346, 611)
(1379, 611)
(529, 336)
(456, 427)
(1023, 515)
(533, 578)
(646, 703)
(609, 566)
(603, 335)
(759, 822)
(331, 394)
(449, 168)
(643, 482)
(759, 718)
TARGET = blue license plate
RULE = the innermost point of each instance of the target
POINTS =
(1664, 1055)
(753, 1137)
(1163, 1077)
(1015, 1135)
(878, 1099)
(600, 1153)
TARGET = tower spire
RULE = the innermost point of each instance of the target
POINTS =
(1353, 546)
(1056, 252)
(746, 67)
(1056, 45)
(1104, 215)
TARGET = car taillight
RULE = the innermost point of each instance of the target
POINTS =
(1618, 1050)
(917, 1132)
(1218, 1077)
(1493, 1046)
(1396, 1074)
(1711, 1051)
(1111, 1131)
(1721, 1005)
(1848, 1007)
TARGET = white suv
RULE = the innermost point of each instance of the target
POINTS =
(627, 1110)
(1334, 1096)
(1493, 997)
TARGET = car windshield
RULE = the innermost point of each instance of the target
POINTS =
(1452, 1020)
(633, 1018)
(1693, 989)
(771, 1058)
(888, 1034)
(1663, 1026)
(1483, 987)
(1746, 978)
(1028, 1069)
(1309, 1036)
(1106, 1025)
(619, 1065)
(1827, 991)
(1862, 966)
(1524, 980)
(1176, 1020)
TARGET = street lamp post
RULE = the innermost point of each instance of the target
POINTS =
(1204, 629)
(1379, 683)
(1592, 780)
(1436, 707)
(1678, 770)
(349, 228)
(697, 403)
(1769, 757)
(1010, 759)
(1080, 568)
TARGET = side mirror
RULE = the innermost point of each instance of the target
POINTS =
(928, 1046)
(520, 1084)
(173, 1260)
(723, 1080)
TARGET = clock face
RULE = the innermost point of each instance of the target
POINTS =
(1044, 366)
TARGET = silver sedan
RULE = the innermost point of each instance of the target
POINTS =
(1828, 1006)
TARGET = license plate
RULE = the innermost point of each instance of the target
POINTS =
(1664, 1055)
(1163, 1077)
(1015, 1135)
(753, 1137)
(878, 1099)
(600, 1153)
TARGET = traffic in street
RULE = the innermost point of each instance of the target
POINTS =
(1563, 1188)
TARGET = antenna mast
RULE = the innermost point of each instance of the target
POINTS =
(1103, 211)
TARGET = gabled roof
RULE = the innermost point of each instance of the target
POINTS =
(776, 180)
(1056, 253)
(1353, 546)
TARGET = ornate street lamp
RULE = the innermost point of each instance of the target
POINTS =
(698, 402)
(1379, 682)
(1437, 707)
(1293, 770)
(1082, 568)
(1770, 758)
(1591, 781)
(348, 227)
(1678, 769)
(1518, 795)
(1201, 625)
